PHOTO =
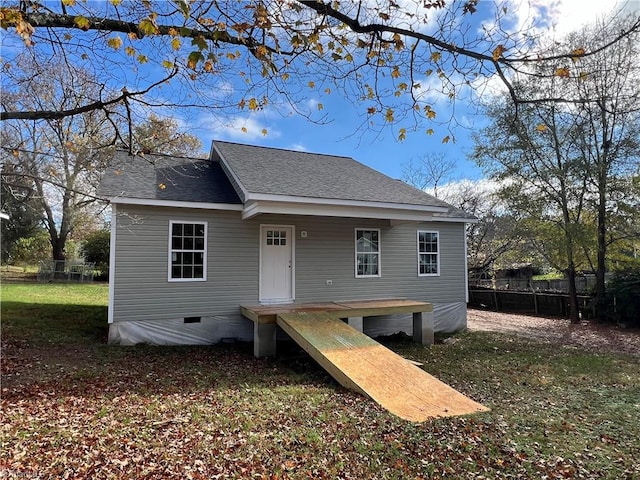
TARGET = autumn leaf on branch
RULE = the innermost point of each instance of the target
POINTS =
(577, 53)
(497, 52)
(389, 115)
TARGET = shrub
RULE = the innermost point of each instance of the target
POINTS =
(96, 249)
(623, 292)
(31, 250)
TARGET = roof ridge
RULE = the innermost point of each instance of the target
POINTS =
(285, 149)
(161, 155)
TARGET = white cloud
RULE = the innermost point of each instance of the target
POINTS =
(224, 90)
(432, 90)
(298, 147)
(561, 17)
(239, 128)
(549, 19)
(566, 16)
(312, 104)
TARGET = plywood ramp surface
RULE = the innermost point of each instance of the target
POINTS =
(362, 364)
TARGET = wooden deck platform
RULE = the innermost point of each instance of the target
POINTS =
(356, 308)
(264, 318)
(363, 365)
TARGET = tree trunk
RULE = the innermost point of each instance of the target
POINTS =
(57, 250)
(601, 302)
(574, 310)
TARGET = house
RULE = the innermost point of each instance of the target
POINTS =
(193, 239)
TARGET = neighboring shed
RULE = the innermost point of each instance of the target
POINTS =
(194, 239)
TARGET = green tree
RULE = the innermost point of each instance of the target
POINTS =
(95, 248)
(535, 158)
(608, 109)
(32, 249)
(388, 57)
(16, 200)
(567, 166)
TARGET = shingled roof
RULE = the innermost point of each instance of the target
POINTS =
(246, 175)
(271, 171)
(159, 177)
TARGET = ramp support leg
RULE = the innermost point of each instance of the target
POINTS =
(264, 339)
(423, 328)
(356, 322)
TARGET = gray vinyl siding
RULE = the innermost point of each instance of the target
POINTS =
(142, 291)
(328, 253)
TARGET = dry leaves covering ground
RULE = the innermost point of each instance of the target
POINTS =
(75, 408)
(590, 336)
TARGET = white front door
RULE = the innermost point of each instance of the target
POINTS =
(276, 264)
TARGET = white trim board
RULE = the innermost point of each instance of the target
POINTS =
(175, 203)
(112, 263)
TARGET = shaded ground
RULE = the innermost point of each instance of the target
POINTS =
(591, 336)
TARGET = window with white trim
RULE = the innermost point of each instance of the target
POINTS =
(428, 253)
(187, 251)
(367, 253)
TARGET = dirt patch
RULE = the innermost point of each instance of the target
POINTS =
(588, 335)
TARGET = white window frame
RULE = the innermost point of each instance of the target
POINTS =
(437, 253)
(172, 250)
(379, 252)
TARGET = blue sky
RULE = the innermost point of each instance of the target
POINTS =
(340, 136)
(380, 149)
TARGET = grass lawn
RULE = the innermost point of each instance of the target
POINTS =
(73, 407)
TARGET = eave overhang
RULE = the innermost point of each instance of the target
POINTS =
(284, 205)
(176, 204)
(397, 213)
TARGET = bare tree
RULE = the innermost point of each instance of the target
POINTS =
(535, 157)
(496, 233)
(61, 158)
(429, 171)
(57, 163)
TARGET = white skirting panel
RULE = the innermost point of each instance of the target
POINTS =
(447, 317)
(175, 332)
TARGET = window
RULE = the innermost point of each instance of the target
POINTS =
(428, 253)
(187, 251)
(367, 253)
(276, 237)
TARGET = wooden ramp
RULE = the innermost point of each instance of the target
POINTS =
(362, 364)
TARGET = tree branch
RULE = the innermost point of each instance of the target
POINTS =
(98, 105)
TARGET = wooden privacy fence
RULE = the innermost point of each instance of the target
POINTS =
(554, 304)
(583, 284)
